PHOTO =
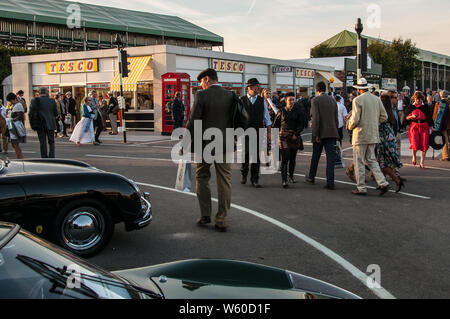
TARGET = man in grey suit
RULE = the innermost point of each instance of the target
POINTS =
(213, 107)
(324, 117)
(49, 113)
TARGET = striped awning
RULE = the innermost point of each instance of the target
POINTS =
(136, 68)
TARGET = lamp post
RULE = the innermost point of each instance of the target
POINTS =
(359, 29)
(119, 44)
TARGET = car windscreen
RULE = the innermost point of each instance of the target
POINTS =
(29, 270)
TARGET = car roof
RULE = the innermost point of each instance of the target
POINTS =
(7, 232)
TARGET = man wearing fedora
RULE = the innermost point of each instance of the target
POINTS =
(258, 118)
(367, 114)
(213, 106)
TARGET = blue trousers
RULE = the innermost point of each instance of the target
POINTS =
(329, 144)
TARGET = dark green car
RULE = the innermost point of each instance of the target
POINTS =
(35, 269)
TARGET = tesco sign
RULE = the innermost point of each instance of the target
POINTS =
(228, 66)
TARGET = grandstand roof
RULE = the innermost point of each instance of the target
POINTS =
(108, 18)
(349, 39)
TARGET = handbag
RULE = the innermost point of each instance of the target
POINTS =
(240, 116)
(183, 182)
(68, 119)
(20, 128)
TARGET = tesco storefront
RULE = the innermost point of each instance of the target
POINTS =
(145, 94)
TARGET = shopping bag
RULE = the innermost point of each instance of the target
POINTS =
(68, 119)
(183, 182)
(339, 162)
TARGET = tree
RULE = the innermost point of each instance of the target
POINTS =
(399, 59)
(5, 60)
(409, 66)
(383, 54)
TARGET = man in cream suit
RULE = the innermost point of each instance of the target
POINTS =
(367, 114)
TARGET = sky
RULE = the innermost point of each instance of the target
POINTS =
(288, 29)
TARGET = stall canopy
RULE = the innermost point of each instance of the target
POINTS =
(328, 76)
(136, 67)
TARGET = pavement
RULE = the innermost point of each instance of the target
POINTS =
(132, 136)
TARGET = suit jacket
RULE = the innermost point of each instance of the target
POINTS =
(47, 110)
(367, 114)
(324, 117)
(214, 108)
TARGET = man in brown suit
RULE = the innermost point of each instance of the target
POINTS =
(213, 107)
(324, 119)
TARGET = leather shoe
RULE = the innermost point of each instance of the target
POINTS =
(256, 185)
(244, 180)
(330, 187)
(221, 229)
(384, 190)
(204, 221)
(357, 192)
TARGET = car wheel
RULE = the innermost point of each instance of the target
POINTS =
(84, 227)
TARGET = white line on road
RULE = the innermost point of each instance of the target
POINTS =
(300, 175)
(132, 158)
(358, 274)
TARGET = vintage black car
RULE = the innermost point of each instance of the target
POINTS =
(70, 203)
(35, 269)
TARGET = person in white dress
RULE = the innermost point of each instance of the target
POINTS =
(83, 133)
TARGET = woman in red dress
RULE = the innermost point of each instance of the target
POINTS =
(419, 120)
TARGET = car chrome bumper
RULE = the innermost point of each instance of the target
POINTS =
(147, 216)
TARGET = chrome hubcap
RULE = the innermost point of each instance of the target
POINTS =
(83, 228)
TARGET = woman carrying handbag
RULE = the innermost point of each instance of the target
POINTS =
(290, 121)
(15, 122)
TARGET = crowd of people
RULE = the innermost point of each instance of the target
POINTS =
(53, 116)
(373, 119)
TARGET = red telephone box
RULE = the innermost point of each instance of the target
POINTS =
(172, 83)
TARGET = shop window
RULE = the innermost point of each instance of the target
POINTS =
(144, 97)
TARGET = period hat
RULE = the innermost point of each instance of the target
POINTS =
(208, 72)
(362, 84)
(252, 81)
(437, 140)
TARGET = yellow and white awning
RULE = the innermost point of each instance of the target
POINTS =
(331, 79)
(136, 67)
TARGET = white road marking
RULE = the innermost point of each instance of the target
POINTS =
(300, 175)
(370, 187)
(358, 274)
(132, 158)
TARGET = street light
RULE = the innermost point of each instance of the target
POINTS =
(119, 44)
(359, 29)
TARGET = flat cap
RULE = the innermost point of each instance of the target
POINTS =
(208, 72)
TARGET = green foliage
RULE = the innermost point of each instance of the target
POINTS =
(5, 59)
(399, 59)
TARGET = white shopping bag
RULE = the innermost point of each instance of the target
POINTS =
(183, 182)
(339, 162)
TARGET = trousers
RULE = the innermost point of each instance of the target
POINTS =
(365, 154)
(288, 158)
(328, 144)
(223, 177)
(47, 136)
